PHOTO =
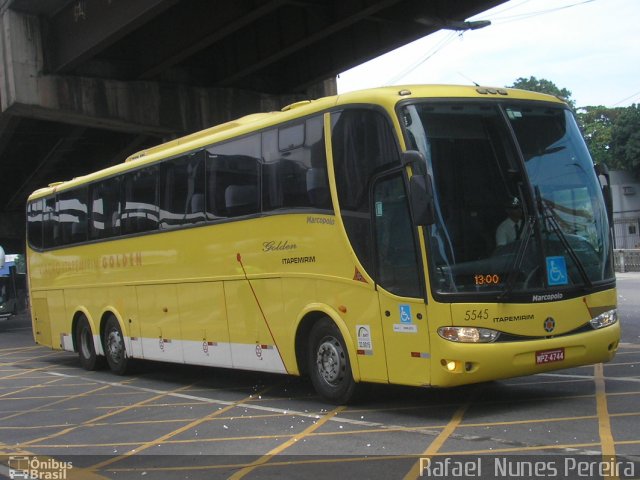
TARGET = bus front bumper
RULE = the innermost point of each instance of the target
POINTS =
(463, 363)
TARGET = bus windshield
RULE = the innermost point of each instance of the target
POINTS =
(518, 205)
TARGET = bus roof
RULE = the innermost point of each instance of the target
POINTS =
(384, 96)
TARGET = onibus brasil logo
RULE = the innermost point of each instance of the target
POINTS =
(43, 468)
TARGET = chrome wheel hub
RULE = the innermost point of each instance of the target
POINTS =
(330, 361)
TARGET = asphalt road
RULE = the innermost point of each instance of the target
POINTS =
(176, 422)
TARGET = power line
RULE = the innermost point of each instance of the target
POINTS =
(525, 16)
(637, 94)
(510, 5)
(448, 39)
(439, 46)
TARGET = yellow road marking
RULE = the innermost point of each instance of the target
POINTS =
(437, 443)
(11, 351)
(26, 412)
(339, 459)
(167, 436)
(604, 422)
(29, 359)
(101, 417)
(265, 458)
(23, 372)
(27, 388)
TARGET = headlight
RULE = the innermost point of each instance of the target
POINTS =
(468, 334)
(605, 319)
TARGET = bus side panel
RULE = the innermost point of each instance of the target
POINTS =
(58, 323)
(252, 345)
(203, 322)
(160, 323)
(40, 319)
(362, 318)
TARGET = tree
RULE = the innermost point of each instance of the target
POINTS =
(596, 124)
(543, 86)
(625, 140)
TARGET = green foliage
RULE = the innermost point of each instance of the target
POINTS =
(596, 124)
(543, 86)
(625, 139)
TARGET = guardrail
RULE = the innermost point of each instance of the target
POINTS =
(627, 260)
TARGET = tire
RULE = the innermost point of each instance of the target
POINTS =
(329, 365)
(86, 349)
(114, 347)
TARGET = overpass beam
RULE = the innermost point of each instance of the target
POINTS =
(83, 28)
(144, 107)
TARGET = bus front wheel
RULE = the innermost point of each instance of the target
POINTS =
(86, 349)
(114, 347)
(329, 365)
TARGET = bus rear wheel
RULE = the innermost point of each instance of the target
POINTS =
(114, 347)
(86, 348)
(329, 366)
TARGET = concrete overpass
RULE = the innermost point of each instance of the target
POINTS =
(85, 83)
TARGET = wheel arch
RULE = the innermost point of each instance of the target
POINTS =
(80, 313)
(310, 316)
(104, 317)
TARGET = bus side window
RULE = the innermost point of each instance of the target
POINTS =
(140, 204)
(72, 209)
(294, 171)
(363, 144)
(105, 209)
(317, 178)
(182, 191)
(51, 226)
(395, 242)
(233, 170)
(34, 223)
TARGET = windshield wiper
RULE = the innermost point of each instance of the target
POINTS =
(514, 270)
(548, 217)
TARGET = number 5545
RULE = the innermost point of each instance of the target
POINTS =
(476, 314)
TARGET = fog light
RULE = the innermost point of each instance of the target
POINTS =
(605, 319)
(451, 366)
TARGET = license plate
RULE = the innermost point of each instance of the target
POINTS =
(549, 356)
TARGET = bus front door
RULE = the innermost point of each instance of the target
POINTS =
(402, 307)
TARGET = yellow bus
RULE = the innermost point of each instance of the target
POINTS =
(356, 238)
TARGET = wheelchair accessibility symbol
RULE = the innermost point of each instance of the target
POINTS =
(557, 271)
(405, 313)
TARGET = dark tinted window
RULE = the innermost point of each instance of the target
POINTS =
(140, 204)
(34, 223)
(105, 209)
(363, 144)
(72, 216)
(395, 242)
(233, 170)
(51, 234)
(294, 171)
(182, 191)
(291, 136)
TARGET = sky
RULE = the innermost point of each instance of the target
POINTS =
(589, 47)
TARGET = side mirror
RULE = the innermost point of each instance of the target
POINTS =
(421, 199)
(416, 160)
(603, 174)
